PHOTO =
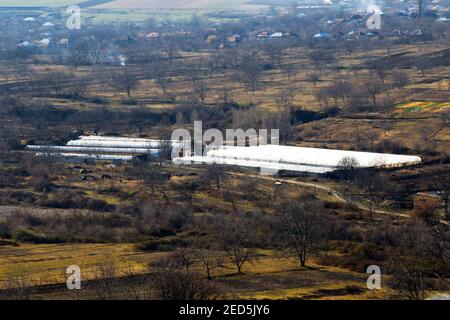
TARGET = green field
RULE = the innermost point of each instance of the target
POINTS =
(124, 11)
(423, 106)
(104, 16)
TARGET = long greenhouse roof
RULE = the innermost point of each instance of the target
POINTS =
(298, 158)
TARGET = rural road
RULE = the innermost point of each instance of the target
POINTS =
(9, 210)
(335, 193)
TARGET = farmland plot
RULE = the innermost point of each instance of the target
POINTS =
(175, 4)
(47, 263)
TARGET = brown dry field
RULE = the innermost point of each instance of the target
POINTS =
(268, 275)
(275, 81)
(332, 132)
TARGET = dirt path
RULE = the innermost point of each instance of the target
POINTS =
(336, 194)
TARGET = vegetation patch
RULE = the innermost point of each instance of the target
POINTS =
(412, 107)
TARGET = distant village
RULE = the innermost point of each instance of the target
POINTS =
(47, 33)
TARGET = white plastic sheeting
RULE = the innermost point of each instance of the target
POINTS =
(117, 142)
(115, 138)
(112, 144)
(101, 148)
(298, 158)
(269, 166)
(129, 151)
(100, 157)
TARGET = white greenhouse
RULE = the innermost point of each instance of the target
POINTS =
(116, 142)
(98, 157)
(297, 159)
(102, 149)
(92, 150)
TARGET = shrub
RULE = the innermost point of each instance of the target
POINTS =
(129, 102)
(355, 256)
(161, 244)
(392, 146)
(98, 205)
(175, 281)
(100, 100)
(41, 184)
(5, 230)
(26, 235)
(331, 111)
(4, 242)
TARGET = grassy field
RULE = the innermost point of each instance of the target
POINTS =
(42, 264)
(136, 15)
(268, 275)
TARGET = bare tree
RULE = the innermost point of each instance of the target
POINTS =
(9, 139)
(125, 80)
(445, 118)
(420, 254)
(381, 70)
(303, 225)
(400, 79)
(251, 69)
(377, 188)
(284, 101)
(234, 237)
(348, 166)
(274, 50)
(57, 81)
(214, 175)
(388, 105)
(209, 257)
(423, 64)
(322, 56)
(225, 94)
(373, 88)
(289, 69)
(157, 72)
(175, 282)
(314, 78)
(372, 135)
(179, 259)
(171, 50)
(106, 276)
(201, 89)
(152, 174)
(441, 182)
